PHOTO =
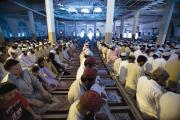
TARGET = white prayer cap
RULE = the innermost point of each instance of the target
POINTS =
(36, 45)
(157, 53)
(20, 45)
(86, 44)
(161, 49)
(30, 48)
(24, 45)
(123, 54)
(53, 51)
(24, 49)
(89, 53)
(40, 43)
(166, 54)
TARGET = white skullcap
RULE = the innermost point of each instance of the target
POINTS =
(53, 51)
(157, 53)
(40, 43)
(24, 49)
(123, 54)
(30, 48)
(162, 49)
(89, 53)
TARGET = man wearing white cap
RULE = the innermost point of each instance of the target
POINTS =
(37, 52)
(24, 59)
(42, 49)
(158, 61)
(88, 53)
(12, 54)
(134, 71)
(31, 55)
(3, 57)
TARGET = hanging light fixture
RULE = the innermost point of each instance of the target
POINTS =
(85, 10)
(72, 9)
(97, 10)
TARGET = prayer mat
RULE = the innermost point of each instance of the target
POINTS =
(123, 114)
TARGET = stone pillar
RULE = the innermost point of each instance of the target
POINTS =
(75, 28)
(1, 36)
(50, 21)
(57, 28)
(165, 22)
(114, 28)
(32, 24)
(122, 27)
(135, 23)
(95, 29)
(109, 21)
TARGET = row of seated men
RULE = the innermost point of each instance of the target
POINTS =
(29, 72)
(150, 74)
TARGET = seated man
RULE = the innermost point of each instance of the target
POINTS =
(87, 107)
(24, 59)
(89, 62)
(26, 83)
(3, 57)
(13, 106)
(149, 91)
(169, 106)
(134, 71)
(79, 87)
(58, 66)
(49, 78)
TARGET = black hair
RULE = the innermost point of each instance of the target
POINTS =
(51, 56)
(35, 69)
(131, 58)
(6, 88)
(141, 58)
(40, 60)
(10, 63)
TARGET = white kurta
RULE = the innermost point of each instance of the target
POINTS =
(32, 57)
(74, 114)
(123, 70)
(25, 61)
(173, 57)
(148, 95)
(76, 90)
(159, 62)
(134, 71)
(169, 106)
(80, 72)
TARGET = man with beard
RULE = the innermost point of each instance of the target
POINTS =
(28, 86)
(78, 87)
(24, 59)
(87, 107)
(3, 56)
(31, 55)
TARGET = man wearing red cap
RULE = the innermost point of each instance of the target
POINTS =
(79, 87)
(89, 62)
(87, 107)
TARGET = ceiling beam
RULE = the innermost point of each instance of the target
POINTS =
(27, 8)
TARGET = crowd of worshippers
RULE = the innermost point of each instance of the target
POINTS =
(149, 73)
(29, 72)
